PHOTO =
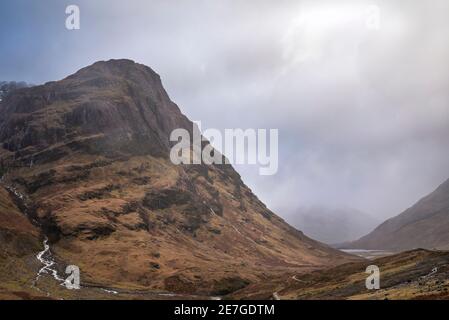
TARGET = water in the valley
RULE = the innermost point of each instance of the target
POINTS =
(367, 254)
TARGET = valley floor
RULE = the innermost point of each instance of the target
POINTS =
(417, 274)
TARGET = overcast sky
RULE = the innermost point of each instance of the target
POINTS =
(361, 100)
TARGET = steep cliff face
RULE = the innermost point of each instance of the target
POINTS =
(424, 225)
(91, 153)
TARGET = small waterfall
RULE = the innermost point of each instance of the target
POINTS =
(45, 257)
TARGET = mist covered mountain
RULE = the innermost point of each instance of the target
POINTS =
(8, 86)
(332, 225)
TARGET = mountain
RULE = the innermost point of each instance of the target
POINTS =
(86, 159)
(332, 225)
(424, 225)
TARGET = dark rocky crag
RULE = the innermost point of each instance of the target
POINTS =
(101, 110)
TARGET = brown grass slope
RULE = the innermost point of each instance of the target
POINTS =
(19, 242)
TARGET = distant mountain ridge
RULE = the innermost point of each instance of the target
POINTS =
(424, 225)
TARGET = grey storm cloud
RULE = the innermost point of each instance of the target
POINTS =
(362, 112)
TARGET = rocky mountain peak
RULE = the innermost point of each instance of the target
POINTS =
(119, 69)
(114, 108)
